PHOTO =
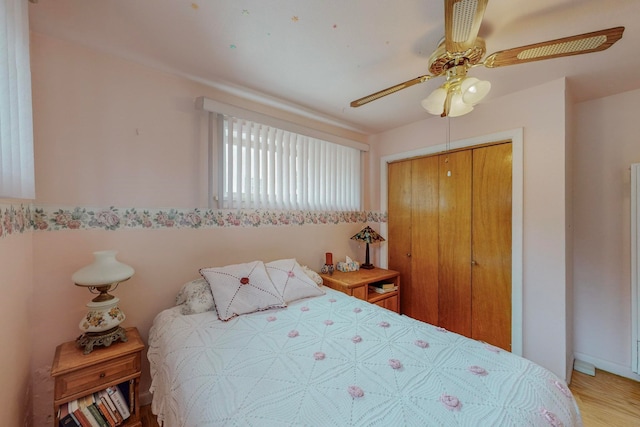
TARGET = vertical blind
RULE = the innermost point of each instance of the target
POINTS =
(16, 128)
(270, 168)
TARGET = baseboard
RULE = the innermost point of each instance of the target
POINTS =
(145, 398)
(569, 372)
(604, 365)
(584, 367)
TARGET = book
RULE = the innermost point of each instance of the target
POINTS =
(119, 401)
(95, 412)
(104, 395)
(84, 404)
(65, 417)
(102, 407)
(110, 407)
(74, 407)
(381, 290)
(75, 419)
(384, 285)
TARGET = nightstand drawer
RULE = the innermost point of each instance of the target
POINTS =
(97, 375)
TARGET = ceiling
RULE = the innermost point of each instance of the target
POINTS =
(318, 55)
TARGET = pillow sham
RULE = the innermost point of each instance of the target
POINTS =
(242, 288)
(195, 297)
(291, 280)
(312, 275)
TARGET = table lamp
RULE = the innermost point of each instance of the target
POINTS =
(101, 325)
(367, 235)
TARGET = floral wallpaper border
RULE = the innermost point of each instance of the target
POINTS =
(16, 219)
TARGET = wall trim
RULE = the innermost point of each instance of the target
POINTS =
(605, 365)
(15, 219)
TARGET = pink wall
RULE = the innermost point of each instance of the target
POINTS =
(109, 132)
(16, 309)
(131, 133)
(541, 112)
(607, 142)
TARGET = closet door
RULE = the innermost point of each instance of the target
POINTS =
(399, 226)
(491, 245)
(450, 239)
(423, 301)
(454, 243)
(413, 234)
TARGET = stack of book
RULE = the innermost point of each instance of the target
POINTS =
(105, 408)
(382, 288)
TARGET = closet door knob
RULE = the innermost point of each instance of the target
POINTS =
(473, 262)
(408, 255)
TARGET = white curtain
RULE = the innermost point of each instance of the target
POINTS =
(269, 168)
(16, 128)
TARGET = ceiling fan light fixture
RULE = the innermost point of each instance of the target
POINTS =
(474, 90)
(434, 103)
(458, 106)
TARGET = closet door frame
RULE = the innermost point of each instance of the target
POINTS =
(635, 267)
(516, 138)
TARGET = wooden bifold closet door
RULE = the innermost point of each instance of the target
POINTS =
(450, 238)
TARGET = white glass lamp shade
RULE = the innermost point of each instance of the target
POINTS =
(458, 107)
(474, 90)
(105, 270)
(434, 103)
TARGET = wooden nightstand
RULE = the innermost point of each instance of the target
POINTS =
(77, 375)
(356, 283)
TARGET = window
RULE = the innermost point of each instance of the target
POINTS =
(16, 128)
(270, 168)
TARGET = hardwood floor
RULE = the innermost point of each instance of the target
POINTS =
(148, 419)
(605, 400)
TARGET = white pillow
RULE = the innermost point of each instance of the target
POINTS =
(291, 280)
(195, 297)
(242, 288)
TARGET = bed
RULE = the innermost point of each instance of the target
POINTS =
(334, 360)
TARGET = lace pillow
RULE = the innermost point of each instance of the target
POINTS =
(195, 297)
(242, 288)
(291, 280)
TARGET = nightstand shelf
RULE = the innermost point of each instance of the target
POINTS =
(78, 375)
(356, 283)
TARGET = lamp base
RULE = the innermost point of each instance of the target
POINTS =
(367, 266)
(90, 339)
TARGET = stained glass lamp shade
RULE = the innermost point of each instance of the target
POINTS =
(367, 235)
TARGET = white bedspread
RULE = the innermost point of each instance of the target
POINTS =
(338, 361)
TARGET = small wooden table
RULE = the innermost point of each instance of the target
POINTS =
(78, 375)
(356, 283)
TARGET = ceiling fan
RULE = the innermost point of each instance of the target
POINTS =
(462, 49)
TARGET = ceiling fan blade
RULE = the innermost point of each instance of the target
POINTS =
(567, 46)
(389, 90)
(462, 19)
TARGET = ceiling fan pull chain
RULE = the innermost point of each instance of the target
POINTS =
(447, 145)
